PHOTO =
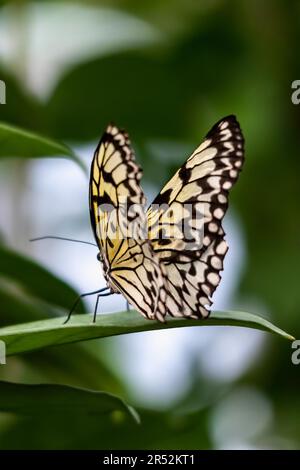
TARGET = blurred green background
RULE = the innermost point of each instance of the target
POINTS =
(166, 71)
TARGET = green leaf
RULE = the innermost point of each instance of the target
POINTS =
(37, 280)
(75, 364)
(17, 142)
(47, 399)
(36, 335)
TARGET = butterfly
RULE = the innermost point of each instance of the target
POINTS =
(166, 260)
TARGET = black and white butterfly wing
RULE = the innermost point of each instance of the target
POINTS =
(117, 215)
(185, 219)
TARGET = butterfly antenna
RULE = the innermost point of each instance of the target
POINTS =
(61, 238)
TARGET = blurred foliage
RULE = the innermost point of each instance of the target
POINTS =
(36, 280)
(214, 58)
(159, 430)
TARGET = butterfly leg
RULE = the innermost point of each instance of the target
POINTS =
(127, 306)
(97, 302)
(79, 298)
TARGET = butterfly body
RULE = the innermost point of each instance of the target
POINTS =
(106, 273)
(166, 260)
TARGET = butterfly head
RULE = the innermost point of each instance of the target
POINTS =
(106, 270)
(103, 263)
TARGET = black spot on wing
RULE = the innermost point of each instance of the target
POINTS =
(107, 177)
(163, 198)
(185, 174)
(103, 199)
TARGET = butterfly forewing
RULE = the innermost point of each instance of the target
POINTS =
(119, 222)
(191, 206)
